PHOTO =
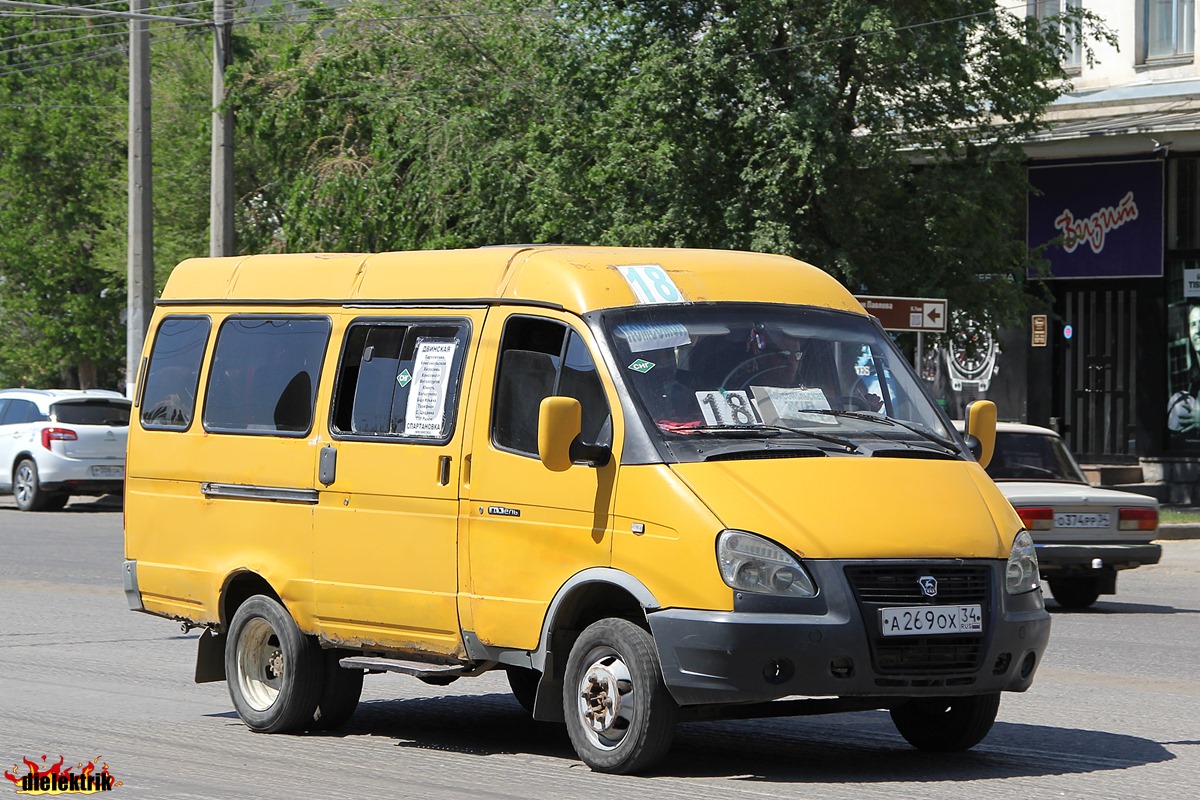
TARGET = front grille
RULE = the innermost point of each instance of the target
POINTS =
(877, 587)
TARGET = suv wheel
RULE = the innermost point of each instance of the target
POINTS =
(28, 492)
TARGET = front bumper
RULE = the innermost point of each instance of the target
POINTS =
(835, 648)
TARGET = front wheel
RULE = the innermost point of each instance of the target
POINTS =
(946, 724)
(1075, 592)
(620, 717)
(274, 671)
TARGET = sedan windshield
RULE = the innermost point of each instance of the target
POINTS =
(741, 370)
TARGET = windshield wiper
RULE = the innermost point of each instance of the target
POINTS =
(933, 437)
(766, 430)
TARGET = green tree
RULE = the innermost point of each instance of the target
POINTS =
(879, 140)
(63, 197)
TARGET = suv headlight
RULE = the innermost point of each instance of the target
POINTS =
(1021, 575)
(751, 563)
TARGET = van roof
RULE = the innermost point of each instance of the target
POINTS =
(578, 279)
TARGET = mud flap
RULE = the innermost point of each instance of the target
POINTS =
(210, 658)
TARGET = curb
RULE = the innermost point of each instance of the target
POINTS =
(1178, 531)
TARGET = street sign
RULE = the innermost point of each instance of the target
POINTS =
(1040, 326)
(923, 314)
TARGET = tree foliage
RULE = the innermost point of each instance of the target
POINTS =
(63, 198)
(879, 140)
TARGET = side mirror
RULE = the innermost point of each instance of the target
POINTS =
(981, 426)
(560, 423)
(560, 420)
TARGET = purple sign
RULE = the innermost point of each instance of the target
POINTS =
(1107, 219)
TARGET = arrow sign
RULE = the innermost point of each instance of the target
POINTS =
(924, 314)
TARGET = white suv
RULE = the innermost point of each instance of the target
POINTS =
(58, 442)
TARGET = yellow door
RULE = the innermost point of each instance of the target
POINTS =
(386, 554)
(529, 529)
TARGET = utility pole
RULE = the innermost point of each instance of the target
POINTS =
(141, 201)
(220, 237)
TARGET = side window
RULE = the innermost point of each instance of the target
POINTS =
(20, 411)
(400, 379)
(539, 359)
(4, 403)
(173, 375)
(264, 375)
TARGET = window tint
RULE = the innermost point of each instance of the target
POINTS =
(20, 411)
(3, 408)
(264, 375)
(540, 359)
(400, 380)
(92, 412)
(169, 396)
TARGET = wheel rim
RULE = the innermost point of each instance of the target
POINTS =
(23, 485)
(261, 664)
(607, 707)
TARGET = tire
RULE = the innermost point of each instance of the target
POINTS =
(27, 488)
(339, 694)
(274, 671)
(1075, 592)
(524, 685)
(620, 717)
(946, 724)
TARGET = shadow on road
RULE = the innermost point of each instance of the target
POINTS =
(848, 747)
(1113, 607)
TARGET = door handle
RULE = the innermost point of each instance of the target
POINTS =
(328, 469)
(443, 471)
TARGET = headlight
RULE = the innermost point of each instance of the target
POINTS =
(751, 563)
(1021, 574)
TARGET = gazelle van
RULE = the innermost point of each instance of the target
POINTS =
(649, 485)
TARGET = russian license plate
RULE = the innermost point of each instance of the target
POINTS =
(1073, 520)
(107, 472)
(926, 620)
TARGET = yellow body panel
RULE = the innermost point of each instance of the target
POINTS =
(859, 508)
(579, 279)
(518, 563)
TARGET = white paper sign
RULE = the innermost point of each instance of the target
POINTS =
(1191, 283)
(778, 405)
(643, 337)
(651, 284)
(426, 411)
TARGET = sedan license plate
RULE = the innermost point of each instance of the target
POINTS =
(926, 620)
(107, 472)
(1073, 520)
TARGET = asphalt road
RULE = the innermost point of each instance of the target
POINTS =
(1114, 712)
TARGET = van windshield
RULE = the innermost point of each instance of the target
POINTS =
(756, 369)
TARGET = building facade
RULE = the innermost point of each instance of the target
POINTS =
(1112, 359)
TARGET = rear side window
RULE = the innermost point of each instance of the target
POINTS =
(400, 380)
(92, 412)
(264, 375)
(20, 411)
(169, 396)
(538, 359)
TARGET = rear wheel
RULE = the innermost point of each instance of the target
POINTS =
(28, 491)
(619, 714)
(1077, 592)
(274, 671)
(339, 694)
(946, 724)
